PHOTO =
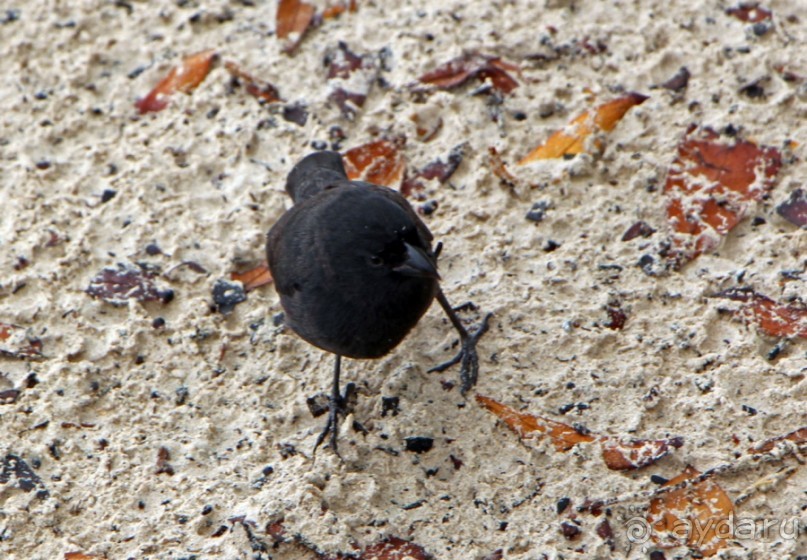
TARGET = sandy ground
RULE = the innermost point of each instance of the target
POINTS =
(225, 396)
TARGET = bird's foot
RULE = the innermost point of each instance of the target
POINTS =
(338, 405)
(467, 356)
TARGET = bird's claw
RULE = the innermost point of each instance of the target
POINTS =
(467, 357)
(337, 405)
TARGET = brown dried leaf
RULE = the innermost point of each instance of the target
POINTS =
(774, 319)
(710, 186)
(254, 278)
(439, 170)
(639, 229)
(799, 437)
(350, 77)
(16, 342)
(263, 90)
(118, 285)
(622, 455)
(292, 20)
(183, 78)
(571, 141)
(79, 556)
(563, 436)
(380, 162)
(458, 71)
(794, 209)
(696, 515)
(394, 548)
(339, 8)
(163, 466)
(750, 12)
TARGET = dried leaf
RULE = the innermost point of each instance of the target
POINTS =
(616, 317)
(183, 78)
(799, 437)
(634, 454)
(498, 168)
(9, 396)
(772, 318)
(254, 278)
(639, 229)
(394, 548)
(679, 82)
(458, 71)
(563, 436)
(439, 170)
(264, 91)
(696, 515)
(14, 469)
(750, 12)
(350, 77)
(380, 162)
(17, 342)
(118, 285)
(292, 20)
(572, 139)
(79, 556)
(710, 186)
(794, 209)
(163, 466)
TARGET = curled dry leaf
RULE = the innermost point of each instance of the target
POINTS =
(696, 515)
(750, 12)
(710, 186)
(572, 139)
(183, 78)
(253, 278)
(264, 91)
(563, 436)
(350, 77)
(799, 437)
(439, 170)
(380, 162)
(774, 319)
(458, 71)
(16, 342)
(623, 455)
(118, 285)
(292, 20)
(794, 209)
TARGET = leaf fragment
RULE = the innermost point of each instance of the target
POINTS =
(469, 65)
(253, 278)
(774, 319)
(350, 77)
(380, 162)
(263, 90)
(632, 454)
(18, 342)
(799, 437)
(183, 78)
(572, 139)
(794, 209)
(438, 169)
(14, 469)
(710, 186)
(293, 19)
(696, 515)
(750, 12)
(124, 282)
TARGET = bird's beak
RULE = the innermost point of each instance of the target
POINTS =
(417, 263)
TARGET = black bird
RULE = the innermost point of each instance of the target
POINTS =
(355, 270)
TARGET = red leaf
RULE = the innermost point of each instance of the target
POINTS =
(183, 78)
(750, 12)
(394, 548)
(710, 186)
(118, 285)
(264, 91)
(458, 71)
(772, 318)
(379, 162)
(292, 20)
(634, 454)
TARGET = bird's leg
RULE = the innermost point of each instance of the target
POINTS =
(337, 405)
(469, 369)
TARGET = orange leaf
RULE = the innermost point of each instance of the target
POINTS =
(379, 162)
(338, 9)
(710, 186)
(634, 454)
(184, 78)
(254, 278)
(774, 319)
(293, 17)
(563, 436)
(78, 556)
(799, 437)
(698, 515)
(571, 141)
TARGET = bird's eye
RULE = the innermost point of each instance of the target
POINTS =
(375, 260)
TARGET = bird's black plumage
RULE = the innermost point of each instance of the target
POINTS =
(354, 267)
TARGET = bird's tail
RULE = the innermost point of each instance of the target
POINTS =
(313, 174)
